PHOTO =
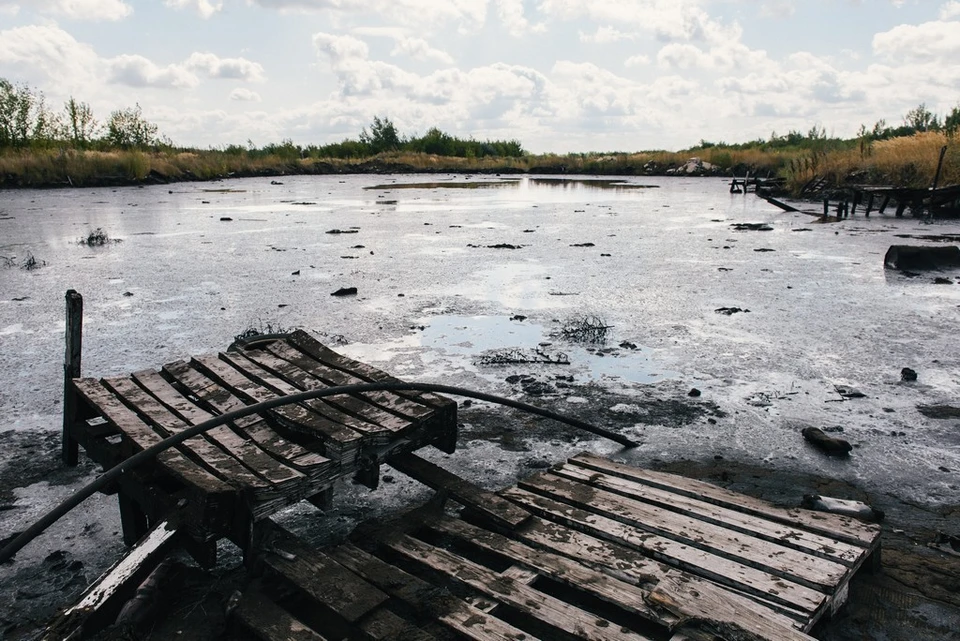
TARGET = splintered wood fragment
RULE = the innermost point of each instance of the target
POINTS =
(424, 597)
(488, 504)
(701, 562)
(142, 436)
(802, 568)
(547, 609)
(268, 621)
(115, 583)
(327, 582)
(255, 427)
(796, 538)
(708, 608)
(841, 528)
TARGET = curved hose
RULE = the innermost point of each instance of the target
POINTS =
(113, 473)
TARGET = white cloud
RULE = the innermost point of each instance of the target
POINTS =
(50, 52)
(205, 8)
(604, 35)
(420, 49)
(73, 9)
(225, 68)
(137, 71)
(243, 94)
(640, 60)
(468, 14)
(512, 16)
(927, 41)
(950, 10)
(341, 48)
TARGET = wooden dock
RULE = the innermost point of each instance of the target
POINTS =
(590, 549)
(223, 483)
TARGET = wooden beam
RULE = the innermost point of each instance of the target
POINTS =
(70, 449)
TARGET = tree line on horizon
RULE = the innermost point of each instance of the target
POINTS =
(27, 122)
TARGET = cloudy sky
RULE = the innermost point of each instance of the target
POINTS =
(558, 75)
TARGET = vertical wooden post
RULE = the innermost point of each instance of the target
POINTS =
(936, 178)
(71, 369)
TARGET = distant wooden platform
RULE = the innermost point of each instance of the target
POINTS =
(223, 483)
(590, 549)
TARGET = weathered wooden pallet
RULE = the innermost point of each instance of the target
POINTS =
(590, 549)
(237, 474)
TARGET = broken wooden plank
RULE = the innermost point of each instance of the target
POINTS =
(524, 599)
(487, 504)
(841, 528)
(800, 567)
(99, 604)
(703, 563)
(796, 538)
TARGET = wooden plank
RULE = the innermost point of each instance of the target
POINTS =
(842, 528)
(707, 608)
(331, 425)
(214, 458)
(142, 436)
(523, 598)
(329, 376)
(628, 564)
(100, 603)
(266, 620)
(798, 539)
(300, 380)
(222, 401)
(246, 451)
(703, 563)
(424, 597)
(499, 510)
(802, 568)
(323, 579)
(384, 624)
(625, 596)
(309, 345)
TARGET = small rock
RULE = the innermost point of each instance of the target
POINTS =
(388, 478)
(694, 393)
(513, 380)
(939, 280)
(518, 317)
(345, 291)
(907, 374)
(628, 345)
(296, 273)
(712, 421)
(224, 219)
(830, 445)
(466, 403)
(128, 294)
(730, 311)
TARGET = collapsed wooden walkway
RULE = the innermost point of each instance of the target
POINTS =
(590, 549)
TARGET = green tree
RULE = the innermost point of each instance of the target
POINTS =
(951, 123)
(16, 105)
(127, 128)
(383, 136)
(922, 119)
(80, 125)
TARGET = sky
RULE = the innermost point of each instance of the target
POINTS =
(557, 75)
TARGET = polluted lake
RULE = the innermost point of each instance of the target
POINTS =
(692, 320)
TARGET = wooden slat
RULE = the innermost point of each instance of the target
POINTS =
(323, 579)
(244, 450)
(796, 538)
(268, 621)
(423, 597)
(623, 595)
(523, 598)
(384, 625)
(218, 460)
(716, 568)
(142, 437)
(220, 399)
(338, 434)
(312, 347)
(802, 568)
(300, 380)
(330, 376)
(496, 508)
(841, 528)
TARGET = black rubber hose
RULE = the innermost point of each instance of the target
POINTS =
(113, 473)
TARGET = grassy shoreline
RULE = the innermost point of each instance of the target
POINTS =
(908, 161)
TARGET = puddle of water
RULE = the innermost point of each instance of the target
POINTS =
(472, 336)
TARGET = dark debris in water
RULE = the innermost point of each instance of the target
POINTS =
(730, 311)
(584, 329)
(517, 356)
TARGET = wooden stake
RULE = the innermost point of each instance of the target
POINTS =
(71, 370)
